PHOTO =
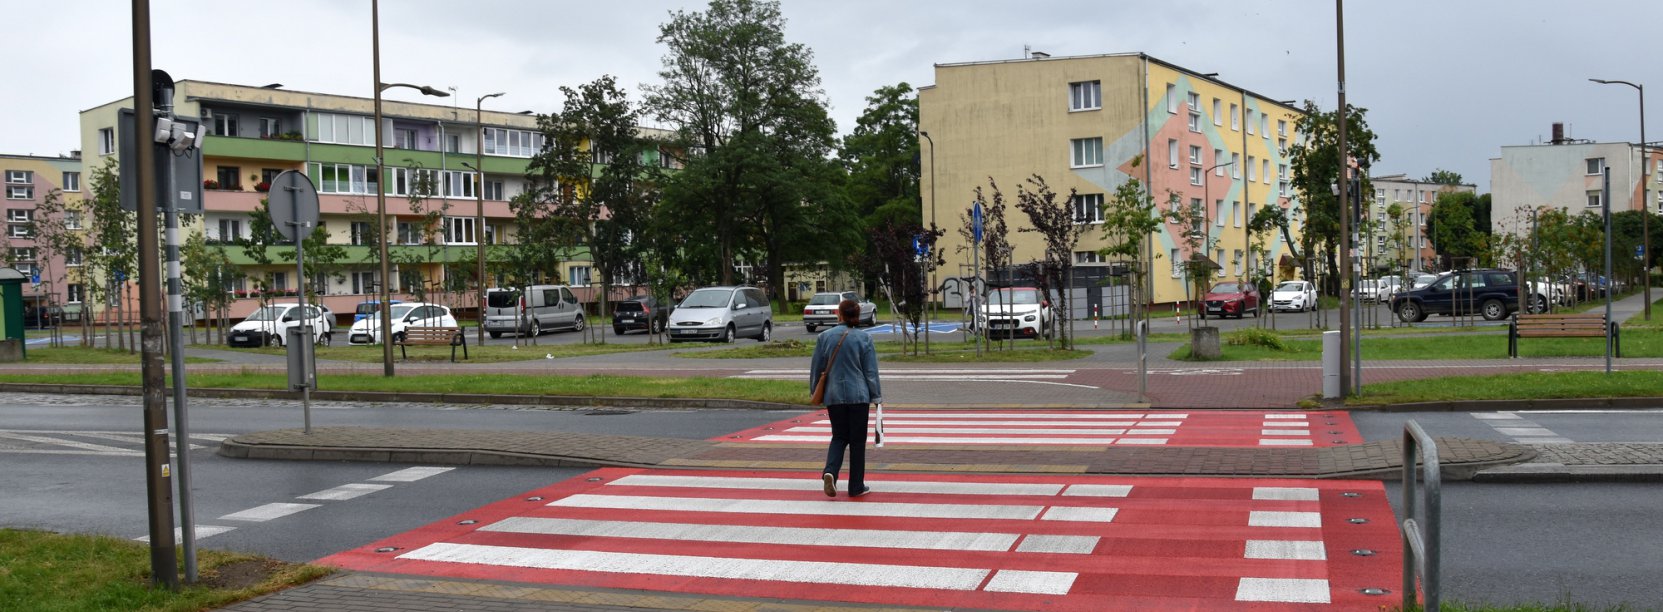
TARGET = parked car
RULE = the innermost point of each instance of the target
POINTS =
(644, 312)
(371, 308)
(821, 310)
(1015, 311)
(407, 314)
(1385, 287)
(269, 325)
(1421, 280)
(1494, 294)
(1364, 291)
(723, 314)
(1231, 298)
(1294, 296)
(530, 310)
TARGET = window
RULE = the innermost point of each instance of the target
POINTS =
(1088, 208)
(1282, 145)
(1218, 111)
(27, 268)
(1171, 98)
(1593, 199)
(1251, 169)
(1218, 156)
(225, 124)
(1235, 212)
(414, 182)
(1177, 264)
(456, 184)
(361, 234)
(1195, 155)
(1195, 175)
(1199, 213)
(1195, 122)
(1596, 165)
(1195, 102)
(1235, 165)
(1281, 128)
(404, 138)
(18, 231)
(106, 142)
(453, 143)
(1235, 261)
(512, 143)
(1085, 95)
(23, 254)
(1218, 205)
(1172, 152)
(363, 282)
(1264, 170)
(345, 178)
(270, 127)
(23, 177)
(1087, 152)
(1250, 122)
(72, 219)
(459, 230)
(20, 192)
(230, 177)
(1235, 119)
(74, 293)
(410, 233)
(19, 215)
(346, 129)
(230, 229)
(279, 281)
(1251, 210)
(580, 276)
(493, 190)
(267, 175)
(1088, 257)
(72, 181)
(1264, 125)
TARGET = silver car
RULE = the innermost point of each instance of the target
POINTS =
(821, 310)
(722, 314)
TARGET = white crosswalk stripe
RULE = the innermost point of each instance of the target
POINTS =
(82, 442)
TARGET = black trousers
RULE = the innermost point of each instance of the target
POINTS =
(848, 425)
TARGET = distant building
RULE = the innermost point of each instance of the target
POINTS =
(1568, 174)
(1414, 198)
(1080, 122)
(29, 181)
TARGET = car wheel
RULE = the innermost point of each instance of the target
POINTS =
(1411, 312)
(767, 332)
(870, 322)
(727, 335)
(1493, 310)
(495, 335)
(1257, 310)
(536, 329)
(811, 328)
(617, 331)
(578, 324)
(1538, 304)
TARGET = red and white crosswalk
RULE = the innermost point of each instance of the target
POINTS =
(1233, 428)
(959, 541)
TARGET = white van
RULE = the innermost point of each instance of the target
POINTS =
(269, 325)
(531, 310)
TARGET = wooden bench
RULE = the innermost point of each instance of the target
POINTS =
(1560, 326)
(434, 336)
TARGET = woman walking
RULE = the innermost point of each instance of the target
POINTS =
(849, 362)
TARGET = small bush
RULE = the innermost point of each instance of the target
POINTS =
(1254, 336)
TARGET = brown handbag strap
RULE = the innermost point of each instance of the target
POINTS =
(835, 349)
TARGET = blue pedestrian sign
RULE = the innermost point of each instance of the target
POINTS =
(1639, 251)
(918, 247)
(34, 279)
(976, 222)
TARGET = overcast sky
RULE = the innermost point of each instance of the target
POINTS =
(1446, 82)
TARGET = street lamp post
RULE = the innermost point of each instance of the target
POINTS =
(1645, 210)
(1344, 209)
(479, 198)
(926, 136)
(1207, 224)
(380, 190)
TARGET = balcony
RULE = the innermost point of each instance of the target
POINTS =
(254, 148)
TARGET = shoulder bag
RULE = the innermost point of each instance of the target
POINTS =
(819, 397)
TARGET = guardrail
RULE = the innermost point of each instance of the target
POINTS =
(1420, 531)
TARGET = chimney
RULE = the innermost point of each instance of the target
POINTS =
(1558, 133)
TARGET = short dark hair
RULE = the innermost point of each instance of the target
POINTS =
(848, 311)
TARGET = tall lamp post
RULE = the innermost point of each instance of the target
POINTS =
(380, 190)
(479, 198)
(926, 136)
(1207, 224)
(1344, 208)
(1645, 218)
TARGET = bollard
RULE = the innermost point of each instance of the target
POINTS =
(1330, 364)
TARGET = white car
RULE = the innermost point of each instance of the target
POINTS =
(269, 325)
(406, 314)
(821, 310)
(1294, 296)
(1015, 311)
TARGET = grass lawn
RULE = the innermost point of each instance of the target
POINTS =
(92, 356)
(1638, 321)
(476, 354)
(474, 384)
(1534, 385)
(1635, 343)
(46, 571)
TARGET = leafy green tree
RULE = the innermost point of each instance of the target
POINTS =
(882, 158)
(1130, 218)
(1450, 227)
(1443, 177)
(1316, 170)
(1053, 219)
(112, 248)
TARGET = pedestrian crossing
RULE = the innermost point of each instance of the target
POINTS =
(77, 442)
(944, 541)
(1078, 427)
(1000, 375)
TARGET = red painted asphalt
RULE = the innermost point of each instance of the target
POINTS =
(938, 540)
(1243, 428)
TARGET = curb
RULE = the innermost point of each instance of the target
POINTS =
(403, 397)
(1558, 473)
(237, 450)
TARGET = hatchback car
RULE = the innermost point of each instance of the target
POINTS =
(269, 325)
(1015, 311)
(723, 314)
(644, 312)
(1231, 299)
(1293, 296)
(408, 314)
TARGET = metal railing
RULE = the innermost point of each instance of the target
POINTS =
(1420, 532)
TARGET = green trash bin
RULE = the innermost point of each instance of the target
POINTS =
(11, 314)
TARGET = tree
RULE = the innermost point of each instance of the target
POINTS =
(1316, 169)
(755, 137)
(1450, 227)
(1444, 177)
(1130, 217)
(112, 253)
(882, 159)
(1199, 243)
(1055, 221)
(895, 261)
(49, 228)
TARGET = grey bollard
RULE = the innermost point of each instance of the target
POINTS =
(1330, 364)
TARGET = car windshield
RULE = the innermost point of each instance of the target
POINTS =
(368, 308)
(825, 299)
(1013, 296)
(1291, 286)
(708, 298)
(268, 313)
(1229, 288)
(400, 310)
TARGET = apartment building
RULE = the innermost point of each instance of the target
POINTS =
(1414, 198)
(1568, 174)
(1080, 122)
(29, 181)
(255, 133)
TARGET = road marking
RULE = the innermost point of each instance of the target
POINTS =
(1276, 518)
(1283, 442)
(1284, 494)
(412, 474)
(85, 446)
(1286, 550)
(1284, 432)
(1097, 490)
(1520, 429)
(874, 538)
(1061, 544)
(806, 484)
(1080, 514)
(202, 531)
(820, 508)
(1283, 590)
(345, 492)
(1079, 428)
(261, 514)
(1027, 581)
(946, 440)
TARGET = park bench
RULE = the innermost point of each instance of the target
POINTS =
(1560, 326)
(434, 336)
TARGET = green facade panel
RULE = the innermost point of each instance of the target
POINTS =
(254, 148)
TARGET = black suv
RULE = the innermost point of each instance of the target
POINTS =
(643, 312)
(1493, 294)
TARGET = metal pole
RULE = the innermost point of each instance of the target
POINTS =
(1605, 209)
(157, 472)
(176, 339)
(1357, 310)
(479, 214)
(1645, 209)
(1344, 210)
(926, 136)
(306, 339)
(976, 294)
(381, 198)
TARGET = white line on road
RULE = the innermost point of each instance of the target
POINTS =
(85, 446)
(814, 484)
(412, 474)
(818, 508)
(261, 514)
(202, 531)
(346, 491)
(757, 534)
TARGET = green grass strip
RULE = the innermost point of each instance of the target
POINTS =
(1533, 385)
(79, 355)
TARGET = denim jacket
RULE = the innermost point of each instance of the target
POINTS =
(854, 376)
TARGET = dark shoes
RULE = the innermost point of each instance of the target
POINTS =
(829, 480)
(863, 490)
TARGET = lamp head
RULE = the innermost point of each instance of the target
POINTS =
(489, 96)
(429, 90)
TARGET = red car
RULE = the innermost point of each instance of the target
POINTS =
(1231, 298)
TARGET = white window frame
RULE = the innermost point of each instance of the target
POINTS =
(357, 182)
(1177, 264)
(1171, 98)
(1282, 128)
(345, 129)
(1593, 199)
(20, 177)
(1172, 153)
(106, 141)
(270, 127)
(1218, 155)
(1264, 125)
(1195, 155)
(1595, 165)
(1085, 96)
(1235, 212)
(1194, 102)
(1264, 171)
(1250, 122)
(20, 192)
(1195, 175)
(23, 254)
(234, 225)
(1218, 111)
(1086, 152)
(1235, 165)
(1195, 122)
(1252, 169)
(18, 231)
(360, 233)
(74, 293)
(1089, 258)
(456, 184)
(460, 230)
(1088, 208)
(72, 182)
(582, 276)
(1235, 118)
(507, 142)
(225, 124)
(72, 219)
(19, 215)
(494, 190)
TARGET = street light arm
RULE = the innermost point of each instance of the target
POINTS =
(485, 97)
(1616, 82)
(425, 89)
